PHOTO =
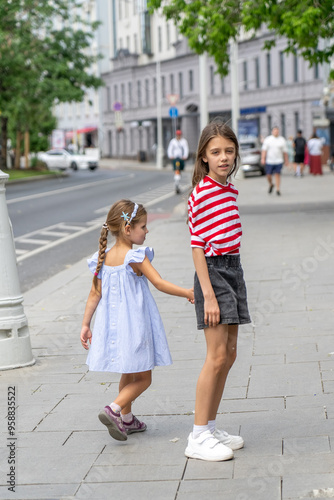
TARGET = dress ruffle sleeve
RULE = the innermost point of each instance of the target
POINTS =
(92, 263)
(138, 255)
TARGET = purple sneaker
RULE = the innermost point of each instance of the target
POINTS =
(114, 423)
(134, 426)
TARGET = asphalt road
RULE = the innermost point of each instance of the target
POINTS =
(57, 222)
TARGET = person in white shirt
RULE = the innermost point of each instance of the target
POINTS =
(274, 155)
(178, 151)
(314, 146)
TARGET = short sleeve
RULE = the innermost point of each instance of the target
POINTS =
(138, 255)
(92, 263)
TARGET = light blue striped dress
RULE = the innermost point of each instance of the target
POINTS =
(128, 334)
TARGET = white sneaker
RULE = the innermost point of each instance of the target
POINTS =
(207, 447)
(233, 442)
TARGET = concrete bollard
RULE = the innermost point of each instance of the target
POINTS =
(15, 347)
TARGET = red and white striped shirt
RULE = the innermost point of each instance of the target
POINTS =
(214, 221)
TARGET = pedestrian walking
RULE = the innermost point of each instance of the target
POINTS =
(128, 335)
(274, 155)
(314, 146)
(178, 152)
(291, 152)
(299, 145)
(220, 291)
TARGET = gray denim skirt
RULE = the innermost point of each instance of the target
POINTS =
(227, 279)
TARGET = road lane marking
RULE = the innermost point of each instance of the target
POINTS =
(69, 231)
(67, 189)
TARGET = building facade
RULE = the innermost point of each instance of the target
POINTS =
(80, 120)
(141, 51)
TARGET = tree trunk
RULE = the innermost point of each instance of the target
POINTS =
(3, 156)
(18, 149)
(26, 148)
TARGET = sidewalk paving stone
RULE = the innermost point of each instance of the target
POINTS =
(279, 395)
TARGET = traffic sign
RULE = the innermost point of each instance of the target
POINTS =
(172, 99)
(117, 106)
(173, 112)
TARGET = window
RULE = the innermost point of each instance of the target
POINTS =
(128, 42)
(119, 9)
(171, 79)
(123, 94)
(108, 99)
(163, 87)
(130, 94)
(154, 90)
(212, 80)
(281, 67)
(257, 72)
(135, 43)
(120, 43)
(147, 93)
(316, 71)
(181, 85)
(115, 93)
(295, 68)
(222, 83)
(135, 6)
(139, 93)
(283, 124)
(245, 75)
(296, 121)
(191, 80)
(168, 35)
(159, 39)
(268, 59)
(269, 124)
(146, 32)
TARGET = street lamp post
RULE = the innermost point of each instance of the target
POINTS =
(234, 85)
(159, 150)
(203, 89)
(15, 347)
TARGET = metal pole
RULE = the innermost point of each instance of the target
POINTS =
(203, 89)
(234, 85)
(15, 347)
(160, 150)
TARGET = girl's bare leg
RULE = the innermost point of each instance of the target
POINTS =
(126, 379)
(131, 386)
(211, 373)
(231, 350)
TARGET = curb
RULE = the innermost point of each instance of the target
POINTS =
(36, 178)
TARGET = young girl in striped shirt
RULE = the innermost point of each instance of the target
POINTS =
(220, 291)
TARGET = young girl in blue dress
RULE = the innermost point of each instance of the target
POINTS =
(220, 292)
(128, 335)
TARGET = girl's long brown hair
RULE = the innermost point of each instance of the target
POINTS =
(116, 225)
(213, 129)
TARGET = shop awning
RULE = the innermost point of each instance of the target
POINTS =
(84, 130)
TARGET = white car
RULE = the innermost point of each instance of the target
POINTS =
(61, 159)
(250, 153)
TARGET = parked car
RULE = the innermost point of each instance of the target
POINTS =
(250, 154)
(61, 159)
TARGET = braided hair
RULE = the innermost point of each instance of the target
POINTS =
(116, 223)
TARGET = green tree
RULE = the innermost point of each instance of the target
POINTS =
(45, 58)
(210, 25)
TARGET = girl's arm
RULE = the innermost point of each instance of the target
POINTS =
(160, 284)
(211, 308)
(91, 305)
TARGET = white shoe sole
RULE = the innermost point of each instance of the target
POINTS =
(209, 458)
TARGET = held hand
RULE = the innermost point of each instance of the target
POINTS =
(85, 337)
(211, 312)
(191, 297)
